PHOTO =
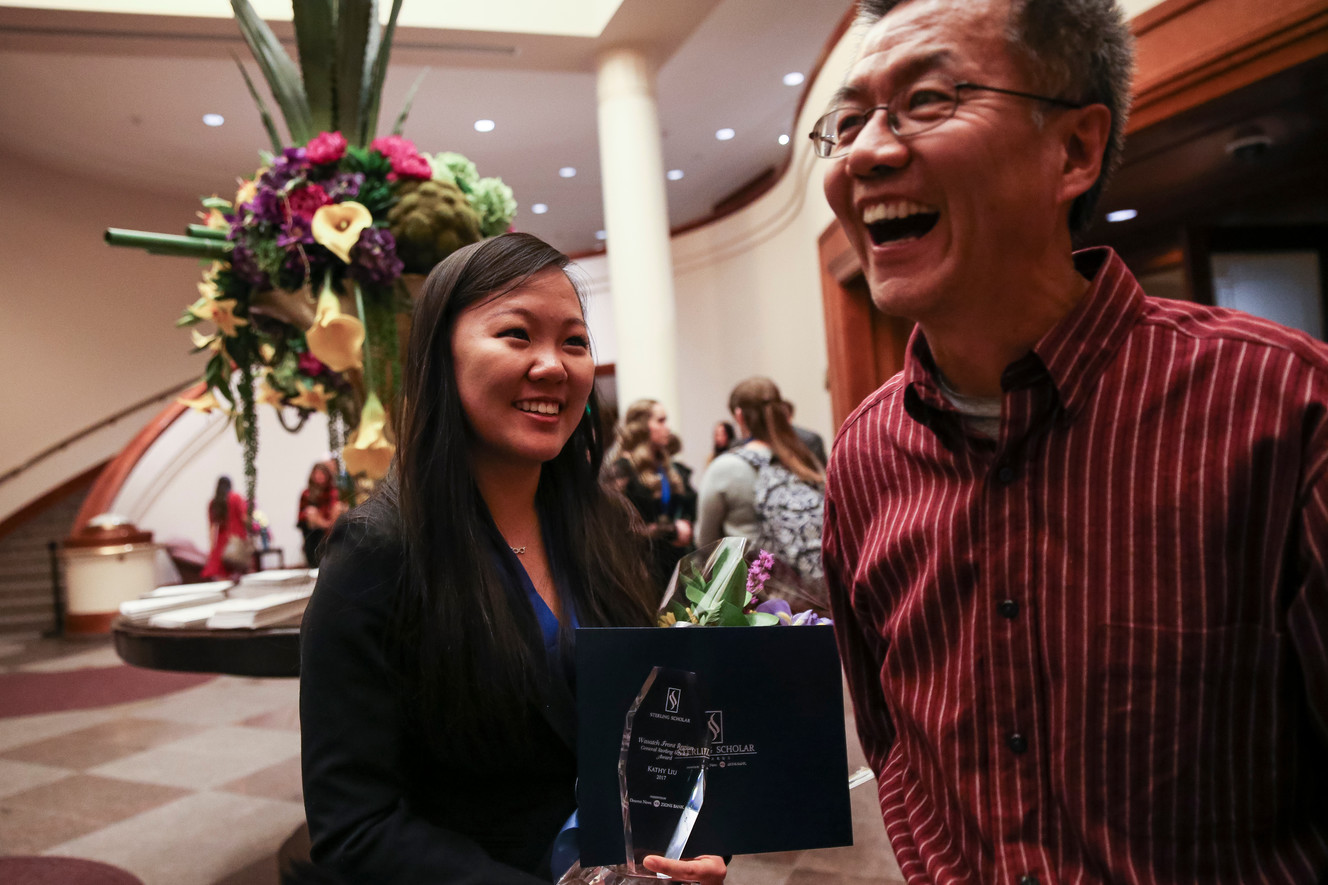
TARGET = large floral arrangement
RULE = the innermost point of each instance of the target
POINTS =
(314, 260)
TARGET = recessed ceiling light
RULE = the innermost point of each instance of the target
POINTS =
(567, 172)
(673, 174)
(213, 119)
(725, 134)
(601, 235)
(483, 125)
(783, 139)
(539, 208)
(793, 78)
(1122, 215)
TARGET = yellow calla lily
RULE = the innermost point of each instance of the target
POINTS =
(205, 403)
(369, 451)
(335, 338)
(337, 226)
(315, 398)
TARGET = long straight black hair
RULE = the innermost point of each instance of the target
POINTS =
(219, 506)
(469, 656)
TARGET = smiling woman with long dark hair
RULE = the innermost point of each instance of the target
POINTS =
(436, 706)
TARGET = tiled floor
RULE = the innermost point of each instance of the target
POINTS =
(202, 786)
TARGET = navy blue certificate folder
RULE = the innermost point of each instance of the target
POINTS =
(777, 777)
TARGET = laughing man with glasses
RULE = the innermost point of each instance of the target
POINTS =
(1078, 548)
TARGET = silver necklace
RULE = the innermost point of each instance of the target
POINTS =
(517, 550)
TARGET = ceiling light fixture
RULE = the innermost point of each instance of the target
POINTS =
(567, 172)
(213, 119)
(793, 78)
(484, 125)
(1122, 215)
(601, 235)
(539, 208)
(725, 134)
(673, 174)
(783, 139)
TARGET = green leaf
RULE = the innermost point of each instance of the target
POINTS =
(357, 23)
(216, 203)
(316, 38)
(371, 93)
(761, 619)
(731, 616)
(282, 76)
(410, 100)
(263, 112)
(694, 590)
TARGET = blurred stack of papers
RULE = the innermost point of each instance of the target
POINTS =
(257, 600)
(175, 596)
(260, 611)
(274, 581)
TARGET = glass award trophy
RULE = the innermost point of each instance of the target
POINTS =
(662, 766)
(661, 775)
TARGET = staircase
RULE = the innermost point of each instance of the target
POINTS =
(26, 605)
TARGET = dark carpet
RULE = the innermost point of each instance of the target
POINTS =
(22, 694)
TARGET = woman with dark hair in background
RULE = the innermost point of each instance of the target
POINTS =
(771, 489)
(228, 518)
(725, 438)
(659, 487)
(436, 709)
(320, 505)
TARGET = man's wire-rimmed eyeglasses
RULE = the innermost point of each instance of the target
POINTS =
(916, 108)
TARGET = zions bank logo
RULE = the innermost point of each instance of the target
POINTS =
(672, 699)
(715, 725)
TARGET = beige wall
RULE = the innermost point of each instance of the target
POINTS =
(87, 329)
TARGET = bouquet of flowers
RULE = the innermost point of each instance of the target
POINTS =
(312, 261)
(723, 589)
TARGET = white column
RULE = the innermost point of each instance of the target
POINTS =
(636, 219)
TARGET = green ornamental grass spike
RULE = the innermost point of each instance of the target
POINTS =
(372, 91)
(400, 124)
(282, 76)
(357, 24)
(316, 39)
(263, 112)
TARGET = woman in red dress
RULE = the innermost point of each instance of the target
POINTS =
(228, 517)
(320, 505)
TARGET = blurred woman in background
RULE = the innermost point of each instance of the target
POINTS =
(658, 486)
(320, 505)
(232, 552)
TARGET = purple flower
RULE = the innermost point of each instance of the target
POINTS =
(758, 573)
(244, 265)
(344, 186)
(268, 205)
(295, 230)
(373, 258)
(781, 609)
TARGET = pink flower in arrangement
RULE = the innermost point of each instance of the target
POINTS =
(410, 166)
(392, 146)
(325, 147)
(305, 201)
(311, 365)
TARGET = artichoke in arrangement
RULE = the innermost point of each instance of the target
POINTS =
(431, 220)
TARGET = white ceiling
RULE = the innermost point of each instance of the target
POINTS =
(121, 97)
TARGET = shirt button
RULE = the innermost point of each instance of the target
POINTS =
(1017, 744)
(1028, 879)
(1005, 475)
(1007, 608)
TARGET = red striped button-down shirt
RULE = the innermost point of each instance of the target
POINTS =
(1093, 649)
